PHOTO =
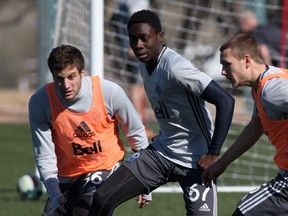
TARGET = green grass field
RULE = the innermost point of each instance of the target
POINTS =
(17, 158)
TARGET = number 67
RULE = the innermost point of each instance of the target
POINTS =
(194, 193)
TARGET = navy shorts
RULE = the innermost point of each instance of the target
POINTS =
(79, 193)
(270, 198)
(153, 170)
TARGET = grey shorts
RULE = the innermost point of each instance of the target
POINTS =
(153, 170)
(270, 198)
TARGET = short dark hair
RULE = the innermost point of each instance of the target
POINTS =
(242, 44)
(145, 16)
(63, 56)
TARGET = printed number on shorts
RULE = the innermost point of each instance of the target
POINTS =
(194, 193)
(95, 178)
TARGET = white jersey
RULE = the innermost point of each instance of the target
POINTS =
(186, 126)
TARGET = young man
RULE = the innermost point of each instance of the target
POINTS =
(187, 142)
(74, 125)
(118, 22)
(243, 66)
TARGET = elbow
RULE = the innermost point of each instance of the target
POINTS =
(229, 101)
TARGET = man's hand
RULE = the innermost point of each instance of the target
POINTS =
(144, 200)
(60, 209)
(206, 160)
(212, 172)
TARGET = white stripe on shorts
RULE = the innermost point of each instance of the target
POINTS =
(261, 195)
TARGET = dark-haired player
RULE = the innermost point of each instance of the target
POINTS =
(74, 125)
(187, 142)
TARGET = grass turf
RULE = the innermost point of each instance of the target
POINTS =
(17, 158)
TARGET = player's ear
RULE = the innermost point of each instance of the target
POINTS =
(161, 36)
(82, 73)
(247, 60)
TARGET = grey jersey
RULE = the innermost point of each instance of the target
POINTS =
(117, 104)
(186, 126)
(274, 97)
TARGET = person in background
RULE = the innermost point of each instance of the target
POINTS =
(187, 142)
(243, 66)
(268, 36)
(74, 126)
(118, 22)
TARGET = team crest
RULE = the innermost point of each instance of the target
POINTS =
(133, 156)
(157, 89)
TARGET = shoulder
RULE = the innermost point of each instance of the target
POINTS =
(275, 71)
(39, 105)
(175, 62)
(109, 87)
(172, 57)
(180, 68)
(38, 97)
(275, 89)
(112, 92)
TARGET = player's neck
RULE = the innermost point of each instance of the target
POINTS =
(150, 67)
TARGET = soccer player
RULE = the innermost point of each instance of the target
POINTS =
(74, 125)
(243, 66)
(187, 142)
(118, 22)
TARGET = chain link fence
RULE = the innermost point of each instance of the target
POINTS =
(30, 28)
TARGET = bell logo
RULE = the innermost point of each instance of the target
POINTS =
(80, 150)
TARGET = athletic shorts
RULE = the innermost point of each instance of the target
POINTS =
(270, 198)
(153, 170)
(79, 193)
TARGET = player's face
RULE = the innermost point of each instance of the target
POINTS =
(233, 69)
(145, 42)
(68, 82)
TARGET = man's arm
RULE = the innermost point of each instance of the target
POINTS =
(224, 104)
(120, 107)
(248, 137)
(45, 158)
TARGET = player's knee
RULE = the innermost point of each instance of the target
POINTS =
(100, 204)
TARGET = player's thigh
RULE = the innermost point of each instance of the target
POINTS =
(270, 198)
(150, 168)
(89, 184)
(199, 200)
(79, 193)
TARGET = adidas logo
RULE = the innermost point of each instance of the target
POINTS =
(204, 207)
(83, 130)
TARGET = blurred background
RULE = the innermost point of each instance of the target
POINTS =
(195, 28)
